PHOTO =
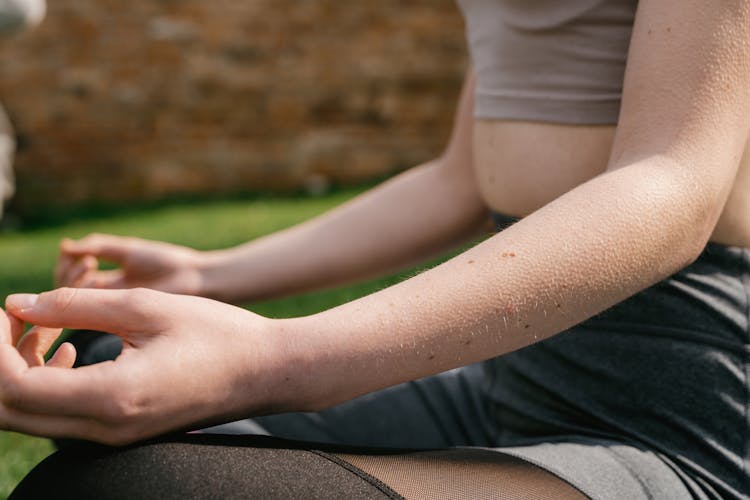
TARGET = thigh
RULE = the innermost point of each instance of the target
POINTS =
(434, 412)
(249, 467)
(197, 466)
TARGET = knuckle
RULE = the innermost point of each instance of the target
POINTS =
(11, 395)
(123, 409)
(140, 300)
(126, 407)
(60, 299)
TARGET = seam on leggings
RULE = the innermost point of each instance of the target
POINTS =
(622, 461)
(561, 476)
(377, 483)
(442, 429)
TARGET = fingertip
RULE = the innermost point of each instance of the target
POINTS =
(5, 336)
(20, 302)
(64, 356)
(90, 262)
(76, 275)
(11, 328)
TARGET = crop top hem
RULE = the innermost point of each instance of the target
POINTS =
(515, 108)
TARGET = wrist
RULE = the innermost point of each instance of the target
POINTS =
(211, 270)
(321, 367)
(280, 368)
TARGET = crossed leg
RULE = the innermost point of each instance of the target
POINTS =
(250, 467)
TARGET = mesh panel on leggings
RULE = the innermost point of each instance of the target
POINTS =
(195, 466)
(463, 473)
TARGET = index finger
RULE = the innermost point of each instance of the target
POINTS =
(5, 337)
(114, 311)
(52, 390)
(11, 328)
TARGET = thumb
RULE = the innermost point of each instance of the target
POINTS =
(114, 311)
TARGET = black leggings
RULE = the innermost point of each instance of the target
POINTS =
(228, 467)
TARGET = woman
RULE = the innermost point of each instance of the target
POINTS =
(611, 318)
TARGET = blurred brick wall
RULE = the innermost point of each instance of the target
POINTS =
(141, 99)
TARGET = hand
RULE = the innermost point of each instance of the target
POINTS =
(186, 361)
(33, 345)
(142, 263)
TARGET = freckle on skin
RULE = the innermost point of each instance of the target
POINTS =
(467, 342)
(526, 326)
(432, 356)
(471, 262)
(512, 254)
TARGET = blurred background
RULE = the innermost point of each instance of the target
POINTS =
(114, 102)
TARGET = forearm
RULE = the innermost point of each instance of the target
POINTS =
(417, 215)
(586, 251)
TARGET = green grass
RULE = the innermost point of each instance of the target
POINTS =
(27, 259)
(18, 454)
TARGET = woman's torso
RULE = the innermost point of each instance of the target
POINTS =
(521, 166)
(554, 69)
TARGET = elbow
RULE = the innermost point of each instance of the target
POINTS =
(690, 248)
(696, 213)
(678, 208)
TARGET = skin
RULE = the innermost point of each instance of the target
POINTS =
(613, 212)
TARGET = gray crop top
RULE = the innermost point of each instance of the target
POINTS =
(559, 61)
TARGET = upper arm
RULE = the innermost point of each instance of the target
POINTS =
(687, 87)
(458, 154)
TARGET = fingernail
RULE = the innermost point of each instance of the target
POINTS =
(21, 301)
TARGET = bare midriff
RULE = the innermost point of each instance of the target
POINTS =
(522, 166)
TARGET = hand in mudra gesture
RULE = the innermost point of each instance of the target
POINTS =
(186, 361)
(141, 263)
